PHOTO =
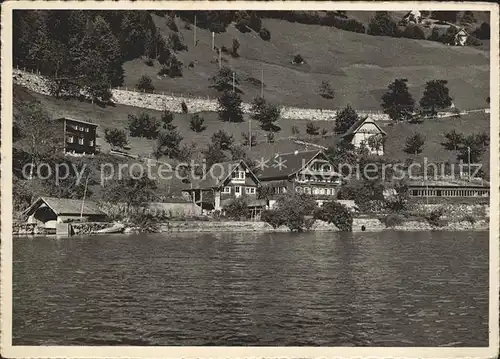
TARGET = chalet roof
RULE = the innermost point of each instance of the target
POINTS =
(325, 142)
(265, 150)
(355, 127)
(66, 206)
(216, 175)
(290, 164)
(79, 121)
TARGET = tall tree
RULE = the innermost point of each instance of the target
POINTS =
(267, 114)
(98, 59)
(167, 144)
(223, 140)
(436, 96)
(223, 81)
(453, 140)
(230, 107)
(37, 134)
(167, 118)
(382, 25)
(345, 118)
(414, 144)
(398, 102)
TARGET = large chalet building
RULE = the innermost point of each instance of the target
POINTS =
(222, 183)
(307, 172)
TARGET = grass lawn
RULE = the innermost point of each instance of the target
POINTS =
(358, 66)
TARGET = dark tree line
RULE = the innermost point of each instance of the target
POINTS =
(83, 49)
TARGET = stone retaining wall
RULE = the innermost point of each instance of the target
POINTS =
(38, 83)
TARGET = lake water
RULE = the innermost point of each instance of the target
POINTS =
(322, 289)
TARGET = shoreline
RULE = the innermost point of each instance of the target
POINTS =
(370, 225)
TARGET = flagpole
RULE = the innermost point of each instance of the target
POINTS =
(84, 195)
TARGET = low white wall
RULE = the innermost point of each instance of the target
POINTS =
(156, 101)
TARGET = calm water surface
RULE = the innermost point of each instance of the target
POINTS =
(362, 289)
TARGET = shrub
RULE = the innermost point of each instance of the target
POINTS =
(143, 125)
(243, 25)
(265, 34)
(115, 137)
(412, 31)
(171, 24)
(392, 220)
(270, 137)
(172, 68)
(340, 22)
(298, 59)
(294, 208)
(196, 123)
(191, 64)
(184, 107)
(145, 84)
(473, 41)
(295, 130)
(326, 90)
(237, 209)
(273, 217)
(483, 31)
(175, 42)
(469, 218)
(336, 213)
(149, 62)
(255, 22)
(434, 217)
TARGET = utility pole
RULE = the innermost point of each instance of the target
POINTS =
(262, 84)
(220, 59)
(84, 195)
(468, 156)
(213, 41)
(233, 82)
(194, 31)
(250, 132)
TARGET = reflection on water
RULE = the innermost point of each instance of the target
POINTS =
(330, 289)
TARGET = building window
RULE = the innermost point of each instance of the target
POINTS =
(227, 189)
(250, 190)
(74, 127)
(87, 129)
(237, 189)
(81, 128)
(91, 143)
(80, 141)
(238, 175)
(71, 139)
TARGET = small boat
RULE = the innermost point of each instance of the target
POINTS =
(116, 228)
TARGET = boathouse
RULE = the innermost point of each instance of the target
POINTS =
(48, 212)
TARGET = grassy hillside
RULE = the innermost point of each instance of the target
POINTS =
(116, 116)
(432, 130)
(358, 66)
